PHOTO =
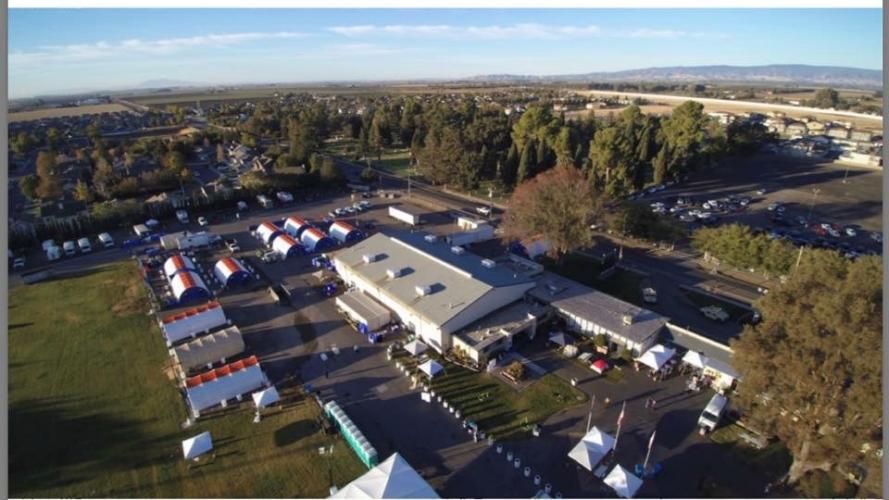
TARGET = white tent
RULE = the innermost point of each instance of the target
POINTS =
(656, 357)
(592, 448)
(559, 338)
(265, 397)
(723, 369)
(431, 368)
(394, 478)
(197, 446)
(623, 482)
(191, 322)
(232, 380)
(695, 359)
(416, 347)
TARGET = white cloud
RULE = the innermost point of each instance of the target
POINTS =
(523, 30)
(53, 54)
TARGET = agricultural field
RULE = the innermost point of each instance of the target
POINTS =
(95, 413)
(37, 114)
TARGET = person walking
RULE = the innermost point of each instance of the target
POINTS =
(653, 403)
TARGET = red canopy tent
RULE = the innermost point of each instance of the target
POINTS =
(599, 366)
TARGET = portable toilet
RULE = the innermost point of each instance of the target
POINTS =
(344, 232)
(294, 226)
(316, 241)
(230, 272)
(267, 232)
(287, 247)
(177, 264)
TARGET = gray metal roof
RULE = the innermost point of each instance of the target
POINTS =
(597, 307)
(698, 343)
(454, 281)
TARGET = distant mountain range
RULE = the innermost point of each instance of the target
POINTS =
(771, 74)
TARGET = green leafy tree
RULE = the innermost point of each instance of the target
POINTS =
(28, 185)
(536, 123)
(527, 163)
(812, 369)
(826, 98)
(684, 134)
(53, 138)
(82, 192)
(330, 173)
(558, 205)
(49, 186)
(23, 143)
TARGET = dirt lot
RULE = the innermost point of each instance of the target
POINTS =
(37, 114)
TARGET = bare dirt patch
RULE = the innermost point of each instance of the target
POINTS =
(38, 114)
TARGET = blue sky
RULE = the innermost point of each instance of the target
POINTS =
(85, 49)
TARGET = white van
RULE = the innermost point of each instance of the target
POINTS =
(84, 244)
(106, 240)
(709, 418)
(70, 248)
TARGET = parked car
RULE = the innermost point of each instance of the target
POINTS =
(18, 263)
(70, 248)
(773, 206)
(84, 245)
(761, 191)
(203, 222)
(850, 232)
(232, 245)
(712, 413)
(715, 313)
(486, 211)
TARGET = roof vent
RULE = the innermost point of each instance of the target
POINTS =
(488, 263)
(457, 250)
(627, 319)
(394, 273)
(431, 238)
(423, 290)
(371, 257)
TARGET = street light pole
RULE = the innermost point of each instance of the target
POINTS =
(815, 192)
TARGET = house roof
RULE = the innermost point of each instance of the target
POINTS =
(454, 281)
(598, 307)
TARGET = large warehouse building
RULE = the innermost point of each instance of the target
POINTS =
(434, 289)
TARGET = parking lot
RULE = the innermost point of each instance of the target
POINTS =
(843, 197)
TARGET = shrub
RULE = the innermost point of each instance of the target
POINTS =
(516, 370)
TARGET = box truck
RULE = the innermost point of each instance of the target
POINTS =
(404, 215)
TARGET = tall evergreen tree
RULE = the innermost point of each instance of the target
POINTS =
(526, 163)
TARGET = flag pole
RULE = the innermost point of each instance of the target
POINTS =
(589, 420)
(620, 420)
(648, 453)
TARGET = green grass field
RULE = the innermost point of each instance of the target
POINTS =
(500, 410)
(94, 414)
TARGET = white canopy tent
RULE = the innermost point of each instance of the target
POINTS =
(623, 482)
(592, 448)
(694, 359)
(190, 322)
(431, 368)
(416, 347)
(393, 478)
(559, 338)
(266, 397)
(656, 357)
(194, 447)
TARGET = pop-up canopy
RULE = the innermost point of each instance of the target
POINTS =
(431, 368)
(416, 347)
(656, 357)
(559, 338)
(394, 478)
(265, 397)
(623, 482)
(592, 448)
(197, 446)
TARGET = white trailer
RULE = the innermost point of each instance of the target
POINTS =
(264, 201)
(106, 240)
(402, 214)
(196, 240)
(483, 233)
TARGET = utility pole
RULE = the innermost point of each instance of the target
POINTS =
(815, 192)
(490, 202)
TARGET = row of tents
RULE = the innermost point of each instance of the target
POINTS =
(187, 284)
(297, 236)
(201, 337)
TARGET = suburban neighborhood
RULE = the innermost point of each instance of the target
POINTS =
(661, 283)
